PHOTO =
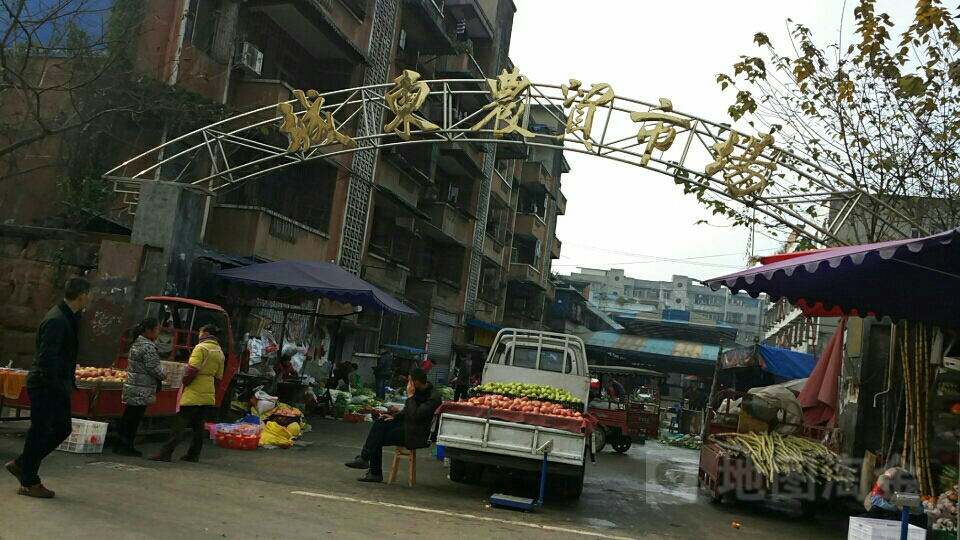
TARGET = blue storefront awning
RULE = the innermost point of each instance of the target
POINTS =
(480, 324)
(316, 279)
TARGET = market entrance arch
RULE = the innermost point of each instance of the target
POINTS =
(351, 127)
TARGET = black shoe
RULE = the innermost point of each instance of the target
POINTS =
(129, 452)
(15, 470)
(371, 478)
(358, 463)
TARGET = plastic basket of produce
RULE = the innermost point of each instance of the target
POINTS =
(174, 371)
(880, 529)
(87, 437)
(238, 436)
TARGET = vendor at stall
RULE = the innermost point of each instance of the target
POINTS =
(615, 390)
(410, 427)
(284, 369)
(343, 373)
(894, 480)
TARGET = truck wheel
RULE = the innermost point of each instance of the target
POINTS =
(622, 443)
(573, 486)
(458, 471)
(600, 438)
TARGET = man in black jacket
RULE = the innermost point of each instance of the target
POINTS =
(50, 384)
(409, 428)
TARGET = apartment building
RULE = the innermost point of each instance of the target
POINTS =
(617, 293)
(462, 231)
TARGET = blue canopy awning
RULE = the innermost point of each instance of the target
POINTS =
(783, 363)
(316, 279)
(480, 324)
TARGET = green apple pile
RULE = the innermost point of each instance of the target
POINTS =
(532, 391)
(522, 404)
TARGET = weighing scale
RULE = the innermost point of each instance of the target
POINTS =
(522, 503)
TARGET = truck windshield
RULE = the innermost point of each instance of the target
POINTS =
(549, 360)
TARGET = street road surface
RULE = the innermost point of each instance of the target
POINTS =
(307, 493)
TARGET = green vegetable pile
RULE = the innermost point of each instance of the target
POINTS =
(447, 393)
(682, 441)
(535, 391)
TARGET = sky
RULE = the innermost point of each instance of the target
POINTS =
(620, 216)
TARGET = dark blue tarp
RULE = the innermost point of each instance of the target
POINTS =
(785, 363)
(317, 279)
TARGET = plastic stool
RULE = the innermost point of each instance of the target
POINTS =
(211, 429)
(402, 453)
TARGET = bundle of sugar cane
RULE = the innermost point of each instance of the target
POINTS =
(773, 453)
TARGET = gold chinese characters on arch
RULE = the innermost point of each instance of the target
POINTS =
(583, 106)
(658, 129)
(506, 110)
(314, 127)
(404, 99)
(746, 173)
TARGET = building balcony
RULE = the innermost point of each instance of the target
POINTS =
(473, 15)
(325, 28)
(551, 290)
(536, 174)
(384, 273)
(431, 16)
(530, 226)
(447, 223)
(500, 187)
(487, 311)
(555, 248)
(439, 293)
(512, 146)
(251, 94)
(255, 231)
(493, 249)
(459, 66)
(461, 158)
(524, 272)
(561, 203)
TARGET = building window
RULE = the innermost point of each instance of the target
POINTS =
(201, 24)
(735, 318)
(751, 319)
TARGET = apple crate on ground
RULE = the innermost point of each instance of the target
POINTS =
(87, 437)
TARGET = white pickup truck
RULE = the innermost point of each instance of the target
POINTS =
(523, 356)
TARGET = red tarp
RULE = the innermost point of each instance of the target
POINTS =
(819, 395)
(584, 425)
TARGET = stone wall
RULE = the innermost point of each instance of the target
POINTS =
(34, 264)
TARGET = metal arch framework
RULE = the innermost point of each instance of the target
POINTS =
(698, 153)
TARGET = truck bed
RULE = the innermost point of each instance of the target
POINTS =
(509, 438)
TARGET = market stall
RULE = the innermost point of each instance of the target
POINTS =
(334, 294)
(908, 281)
(99, 389)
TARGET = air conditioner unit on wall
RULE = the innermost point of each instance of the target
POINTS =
(248, 58)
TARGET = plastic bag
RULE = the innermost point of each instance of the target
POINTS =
(255, 346)
(265, 402)
(275, 435)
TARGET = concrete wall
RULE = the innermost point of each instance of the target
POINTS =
(34, 264)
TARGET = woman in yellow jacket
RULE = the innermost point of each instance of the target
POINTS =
(197, 397)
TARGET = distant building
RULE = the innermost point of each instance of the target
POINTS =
(618, 294)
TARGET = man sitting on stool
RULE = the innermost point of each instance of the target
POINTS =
(409, 428)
